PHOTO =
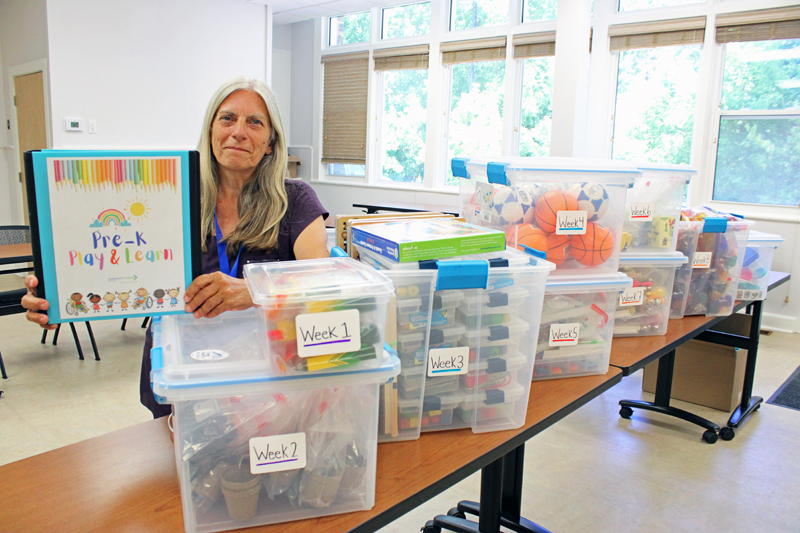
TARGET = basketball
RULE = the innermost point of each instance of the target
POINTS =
(557, 248)
(550, 204)
(528, 235)
(594, 247)
(592, 198)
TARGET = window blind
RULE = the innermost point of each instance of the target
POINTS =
(408, 57)
(489, 49)
(761, 25)
(658, 33)
(344, 108)
(534, 45)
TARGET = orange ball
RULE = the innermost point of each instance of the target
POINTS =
(557, 248)
(594, 247)
(551, 203)
(528, 235)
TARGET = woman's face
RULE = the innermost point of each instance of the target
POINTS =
(240, 132)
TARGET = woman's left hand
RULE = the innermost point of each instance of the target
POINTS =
(210, 295)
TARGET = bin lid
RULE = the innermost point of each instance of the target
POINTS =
(616, 281)
(763, 239)
(675, 259)
(667, 171)
(496, 168)
(293, 282)
(212, 372)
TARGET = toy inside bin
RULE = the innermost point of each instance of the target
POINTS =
(688, 234)
(320, 314)
(653, 208)
(571, 210)
(717, 262)
(255, 448)
(486, 350)
(754, 277)
(577, 325)
(644, 308)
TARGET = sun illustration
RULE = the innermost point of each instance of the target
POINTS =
(137, 208)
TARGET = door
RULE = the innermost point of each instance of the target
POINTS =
(31, 123)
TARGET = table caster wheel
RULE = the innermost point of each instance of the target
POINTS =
(430, 528)
(726, 433)
(710, 436)
(455, 513)
(626, 412)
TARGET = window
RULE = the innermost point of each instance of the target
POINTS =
(759, 126)
(657, 79)
(349, 29)
(534, 10)
(405, 112)
(630, 5)
(406, 21)
(537, 52)
(344, 113)
(477, 75)
(468, 14)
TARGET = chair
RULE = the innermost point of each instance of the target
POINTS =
(10, 305)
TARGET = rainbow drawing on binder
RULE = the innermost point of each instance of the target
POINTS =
(156, 174)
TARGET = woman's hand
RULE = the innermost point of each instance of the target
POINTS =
(210, 295)
(34, 305)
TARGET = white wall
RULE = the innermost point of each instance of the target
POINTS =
(282, 72)
(145, 69)
(23, 39)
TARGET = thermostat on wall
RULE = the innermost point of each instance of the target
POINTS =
(73, 124)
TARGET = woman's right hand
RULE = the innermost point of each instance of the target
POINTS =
(34, 304)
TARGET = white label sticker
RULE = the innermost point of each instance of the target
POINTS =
(209, 355)
(328, 333)
(448, 361)
(631, 297)
(483, 201)
(571, 223)
(564, 334)
(277, 453)
(641, 212)
(702, 260)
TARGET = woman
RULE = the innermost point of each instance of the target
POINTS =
(250, 213)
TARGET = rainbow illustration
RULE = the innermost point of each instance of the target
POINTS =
(96, 174)
(111, 216)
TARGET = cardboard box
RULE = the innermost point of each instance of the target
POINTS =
(707, 374)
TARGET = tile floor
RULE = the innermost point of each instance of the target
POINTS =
(593, 471)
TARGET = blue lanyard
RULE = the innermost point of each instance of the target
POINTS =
(222, 252)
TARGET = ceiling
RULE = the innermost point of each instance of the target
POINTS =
(290, 11)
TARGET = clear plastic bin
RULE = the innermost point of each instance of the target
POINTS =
(569, 209)
(412, 316)
(653, 208)
(320, 314)
(441, 315)
(577, 325)
(644, 308)
(255, 448)
(717, 262)
(688, 234)
(491, 407)
(511, 286)
(754, 277)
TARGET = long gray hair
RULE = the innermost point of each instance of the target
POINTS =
(262, 201)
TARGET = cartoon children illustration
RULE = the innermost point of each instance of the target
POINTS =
(77, 302)
(95, 299)
(173, 295)
(159, 295)
(123, 298)
(109, 299)
(141, 296)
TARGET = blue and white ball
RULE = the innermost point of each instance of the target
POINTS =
(528, 194)
(506, 208)
(592, 198)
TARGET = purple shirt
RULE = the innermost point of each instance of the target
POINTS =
(303, 208)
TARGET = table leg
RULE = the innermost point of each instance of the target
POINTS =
(749, 402)
(661, 405)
